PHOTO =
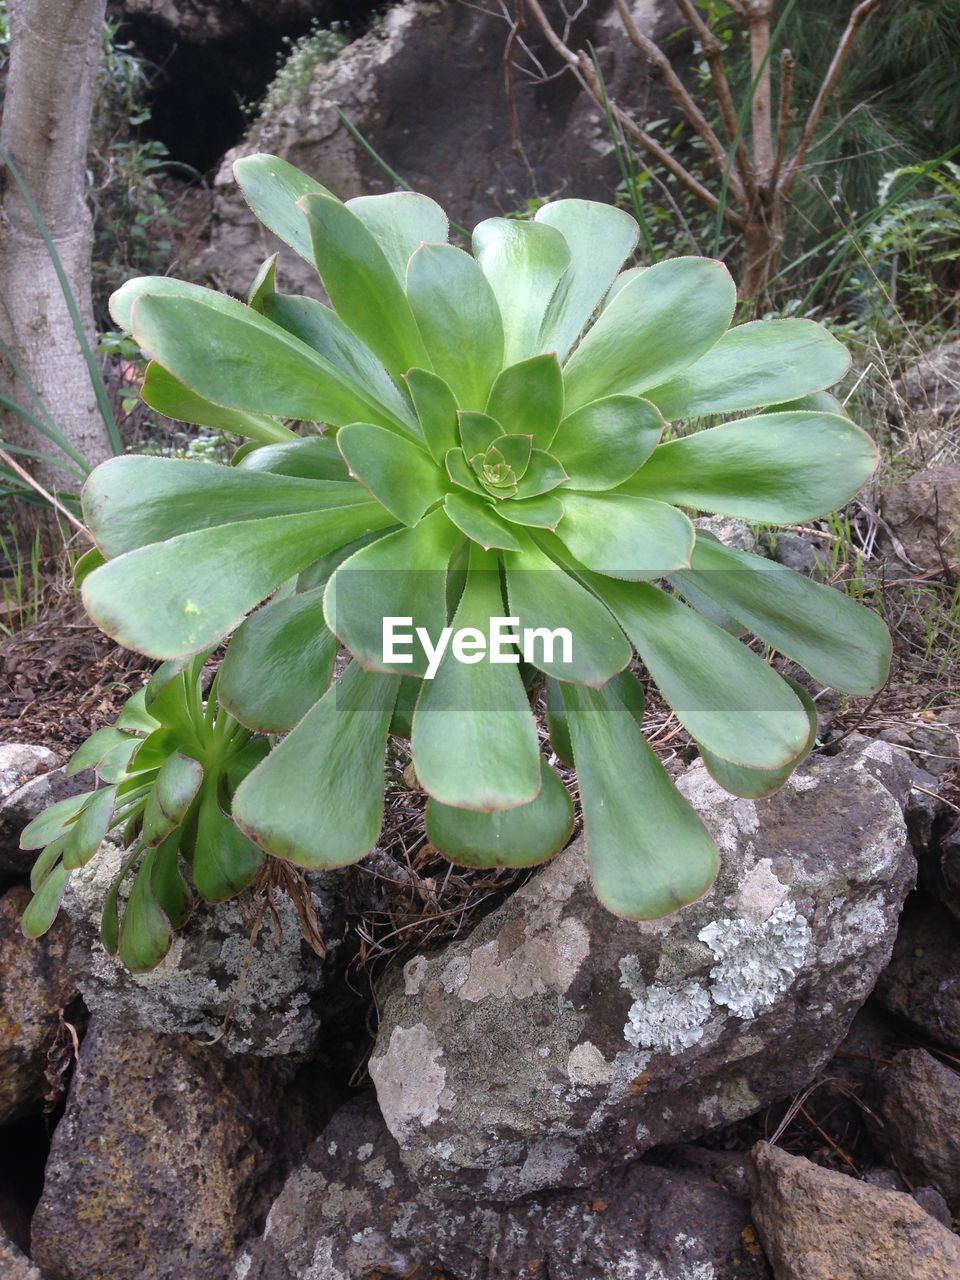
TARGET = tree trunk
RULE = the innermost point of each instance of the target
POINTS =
(51, 82)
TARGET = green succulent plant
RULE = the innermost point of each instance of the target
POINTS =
(169, 767)
(496, 441)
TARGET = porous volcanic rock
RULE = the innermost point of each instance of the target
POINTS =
(425, 88)
(819, 1225)
(921, 984)
(253, 987)
(169, 1153)
(924, 513)
(35, 986)
(920, 1106)
(351, 1211)
(27, 801)
(558, 1040)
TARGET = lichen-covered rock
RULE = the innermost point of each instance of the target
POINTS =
(27, 801)
(921, 984)
(924, 514)
(257, 989)
(920, 1107)
(558, 1040)
(35, 986)
(168, 1155)
(425, 88)
(819, 1225)
(351, 1211)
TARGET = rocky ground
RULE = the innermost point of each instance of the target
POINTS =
(486, 1076)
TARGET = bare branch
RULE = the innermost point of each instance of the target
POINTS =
(761, 103)
(859, 16)
(713, 52)
(787, 65)
(587, 78)
(678, 90)
(28, 479)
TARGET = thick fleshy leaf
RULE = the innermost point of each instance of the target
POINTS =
(326, 334)
(176, 784)
(754, 784)
(436, 407)
(816, 402)
(621, 282)
(46, 861)
(557, 726)
(605, 442)
(837, 640)
(779, 468)
(181, 596)
(400, 222)
(273, 188)
(110, 916)
(475, 517)
(544, 512)
(239, 359)
(362, 286)
(279, 663)
(523, 262)
(459, 321)
(519, 837)
(264, 283)
(400, 474)
(145, 934)
(515, 452)
(114, 765)
(461, 473)
(135, 717)
(315, 458)
(527, 399)
(165, 393)
(599, 238)
(87, 833)
(341, 741)
(542, 595)
(170, 888)
(400, 575)
(474, 737)
(625, 537)
(43, 906)
(649, 852)
(123, 300)
(658, 325)
(224, 860)
(89, 561)
(96, 748)
(53, 822)
(755, 364)
(543, 474)
(131, 502)
(722, 693)
(478, 431)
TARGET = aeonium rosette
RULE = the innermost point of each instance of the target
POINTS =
(495, 443)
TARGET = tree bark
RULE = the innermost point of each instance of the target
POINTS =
(51, 82)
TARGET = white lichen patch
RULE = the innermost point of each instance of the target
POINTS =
(803, 781)
(587, 1065)
(409, 1079)
(548, 959)
(756, 961)
(759, 892)
(663, 1018)
(414, 973)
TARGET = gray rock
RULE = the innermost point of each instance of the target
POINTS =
(167, 1156)
(794, 551)
(428, 77)
(26, 802)
(819, 1225)
(919, 1104)
(558, 1040)
(20, 761)
(36, 985)
(930, 392)
(924, 514)
(351, 1211)
(259, 995)
(921, 984)
(15, 1265)
(730, 531)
